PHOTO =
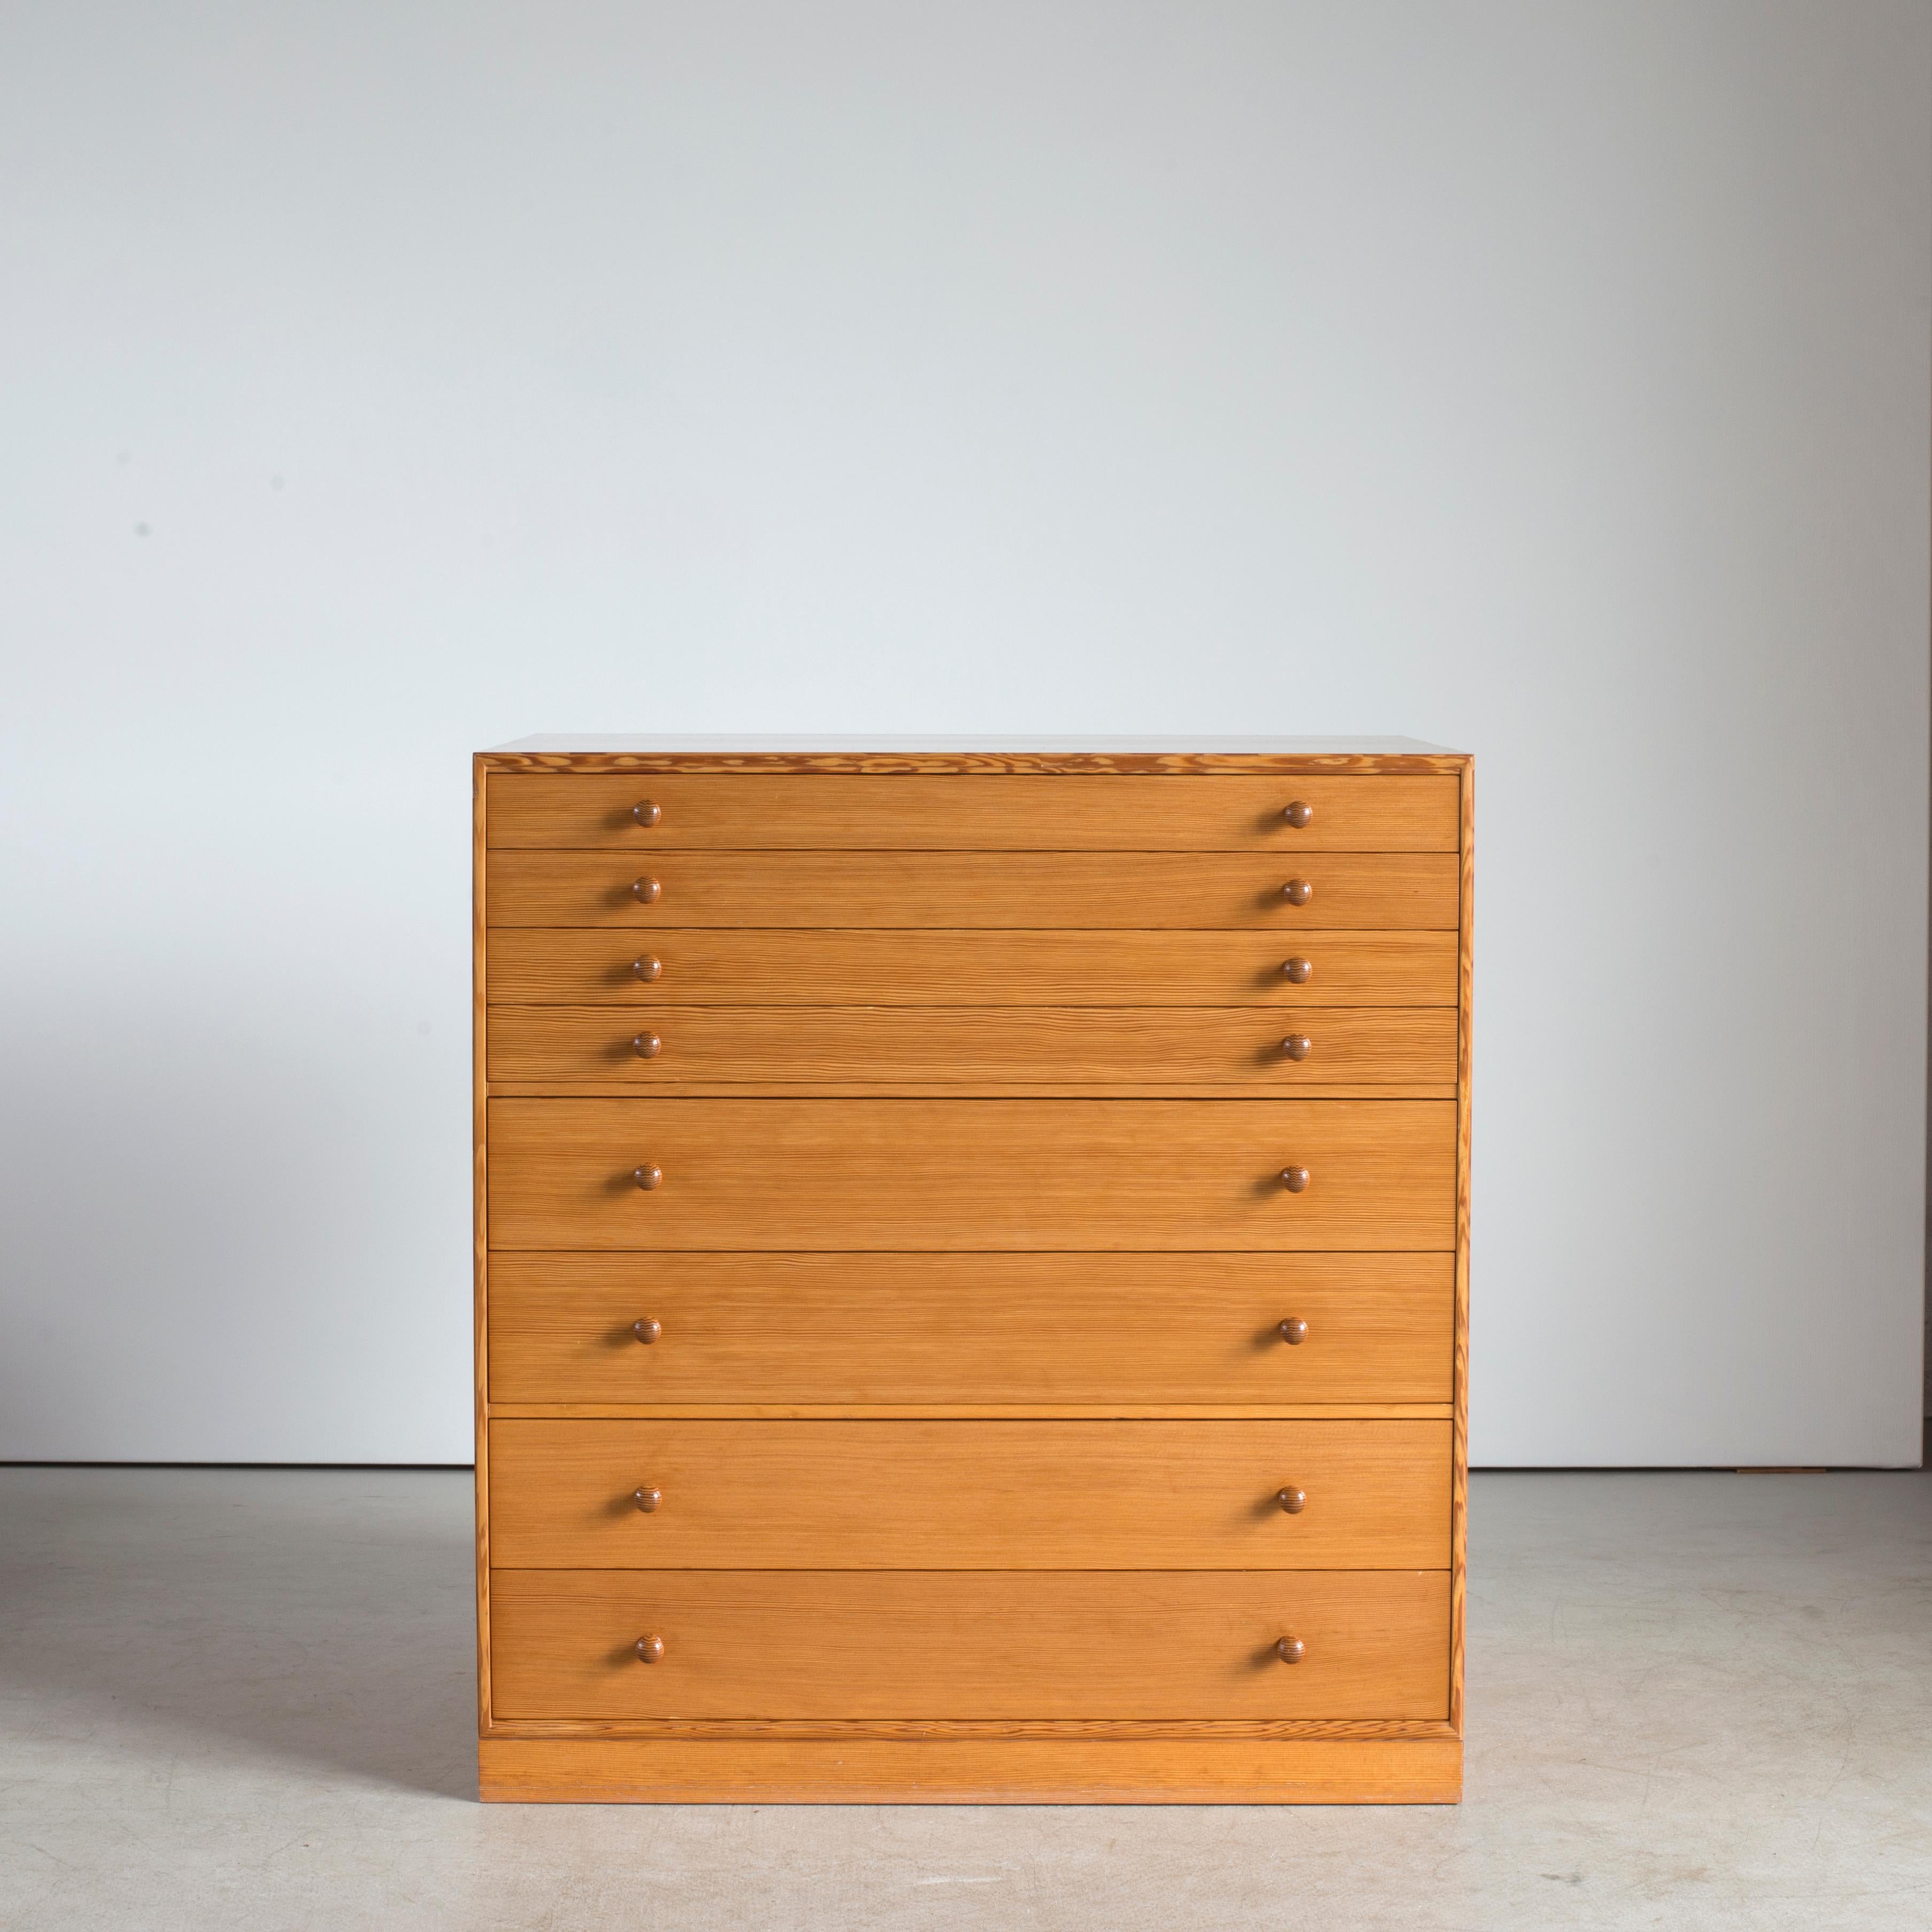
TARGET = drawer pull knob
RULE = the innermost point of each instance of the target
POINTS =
(647, 1176)
(649, 1649)
(647, 1499)
(648, 1046)
(1290, 1649)
(1292, 1500)
(1294, 1332)
(646, 891)
(646, 813)
(1295, 1179)
(1299, 971)
(1297, 1046)
(1298, 814)
(648, 1328)
(1296, 891)
(647, 966)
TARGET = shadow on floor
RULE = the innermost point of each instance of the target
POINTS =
(324, 1617)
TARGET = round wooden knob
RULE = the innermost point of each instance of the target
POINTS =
(650, 1649)
(1290, 1649)
(1295, 1179)
(1297, 1046)
(646, 966)
(648, 1046)
(1292, 1499)
(647, 891)
(648, 1498)
(647, 1176)
(1294, 1331)
(1299, 971)
(1296, 891)
(1297, 815)
(646, 813)
(648, 1328)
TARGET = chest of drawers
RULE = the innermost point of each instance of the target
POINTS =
(972, 1272)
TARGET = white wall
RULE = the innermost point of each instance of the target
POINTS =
(381, 381)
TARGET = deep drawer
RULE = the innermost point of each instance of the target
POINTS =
(1095, 812)
(1003, 1048)
(981, 1174)
(969, 1494)
(1041, 1645)
(1139, 890)
(1132, 1329)
(553, 965)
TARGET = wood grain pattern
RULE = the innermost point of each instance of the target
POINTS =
(1168, 1771)
(971, 1329)
(1242, 759)
(539, 965)
(1137, 890)
(963, 1644)
(1093, 812)
(989, 1048)
(977, 1174)
(942, 1496)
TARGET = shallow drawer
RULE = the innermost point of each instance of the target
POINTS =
(969, 1494)
(1095, 812)
(1254, 1052)
(540, 965)
(981, 1174)
(1142, 890)
(1042, 1645)
(1138, 1329)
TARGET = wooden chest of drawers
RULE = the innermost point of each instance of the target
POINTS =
(972, 1271)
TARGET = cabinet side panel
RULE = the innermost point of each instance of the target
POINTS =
(1459, 1490)
(479, 1054)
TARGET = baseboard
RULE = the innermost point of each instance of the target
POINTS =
(971, 1771)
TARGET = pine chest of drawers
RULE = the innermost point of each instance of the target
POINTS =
(972, 1270)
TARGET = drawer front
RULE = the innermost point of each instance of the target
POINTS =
(1097, 812)
(970, 890)
(1044, 1645)
(969, 1494)
(549, 965)
(1138, 1329)
(989, 1175)
(1003, 1048)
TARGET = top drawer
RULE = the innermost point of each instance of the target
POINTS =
(1100, 811)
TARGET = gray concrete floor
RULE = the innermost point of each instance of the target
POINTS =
(242, 1699)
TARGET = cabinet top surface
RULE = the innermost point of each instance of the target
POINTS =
(646, 744)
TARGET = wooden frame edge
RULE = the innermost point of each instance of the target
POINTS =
(971, 1411)
(1458, 1527)
(1071, 764)
(479, 1104)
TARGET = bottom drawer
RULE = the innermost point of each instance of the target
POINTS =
(966, 1645)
